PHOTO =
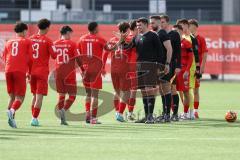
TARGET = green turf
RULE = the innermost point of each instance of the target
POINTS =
(210, 138)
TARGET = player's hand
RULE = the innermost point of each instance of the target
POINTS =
(166, 69)
(104, 72)
(198, 75)
(185, 75)
(28, 77)
(202, 70)
(177, 71)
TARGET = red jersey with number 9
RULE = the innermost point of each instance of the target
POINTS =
(17, 54)
(43, 48)
(66, 53)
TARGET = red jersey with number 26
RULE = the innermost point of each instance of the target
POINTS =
(43, 48)
(66, 53)
(17, 54)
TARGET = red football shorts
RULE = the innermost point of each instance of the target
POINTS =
(121, 81)
(66, 86)
(92, 81)
(182, 84)
(197, 83)
(39, 85)
(16, 83)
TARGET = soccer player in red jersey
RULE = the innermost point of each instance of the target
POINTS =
(65, 71)
(202, 51)
(16, 56)
(133, 74)
(43, 48)
(119, 72)
(91, 45)
(183, 78)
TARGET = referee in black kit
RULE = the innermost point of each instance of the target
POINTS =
(164, 81)
(149, 54)
(175, 64)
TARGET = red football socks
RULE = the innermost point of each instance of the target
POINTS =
(131, 104)
(16, 105)
(36, 112)
(69, 102)
(122, 107)
(116, 104)
(87, 106)
(196, 105)
(61, 100)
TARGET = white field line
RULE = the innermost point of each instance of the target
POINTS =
(127, 138)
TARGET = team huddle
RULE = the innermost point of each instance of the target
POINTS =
(149, 55)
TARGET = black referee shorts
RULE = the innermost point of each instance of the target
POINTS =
(147, 74)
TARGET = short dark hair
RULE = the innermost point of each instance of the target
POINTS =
(20, 27)
(143, 20)
(92, 26)
(155, 17)
(193, 22)
(177, 26)
(133, 24)
(65, 29)
(123, 26)
(183, 21)
(43, 24)
(166, 17)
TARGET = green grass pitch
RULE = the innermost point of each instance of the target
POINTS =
(210, 138)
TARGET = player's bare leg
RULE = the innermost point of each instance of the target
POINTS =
(131, 104)
(175, 99)
(116, 101)
(33, 103)
(67, 104)
(88, 104)
(37, 109)
(94, 106)
(186, 103)
(10, 101)
(196, 102)
(124, 97)
(18, 100)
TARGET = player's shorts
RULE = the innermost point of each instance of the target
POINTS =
(39, 85)
(147, 75)
(172, 73)
(182, 84)
(92, 81)
(197, 83)
(192, 78)
(16, 83)
(121, 81)
(133, 77)
(66, 86)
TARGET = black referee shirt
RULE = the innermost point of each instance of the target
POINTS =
(176, 46)
(148, 46)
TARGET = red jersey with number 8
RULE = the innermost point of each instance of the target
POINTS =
(17, 54)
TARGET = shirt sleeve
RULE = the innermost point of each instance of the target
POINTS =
(4, 53)
(178, 50)
(158, 46)
(164, 36)
(204, 45)
(52, 50)
(195, 49)
(30, 52)
(188, 46)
